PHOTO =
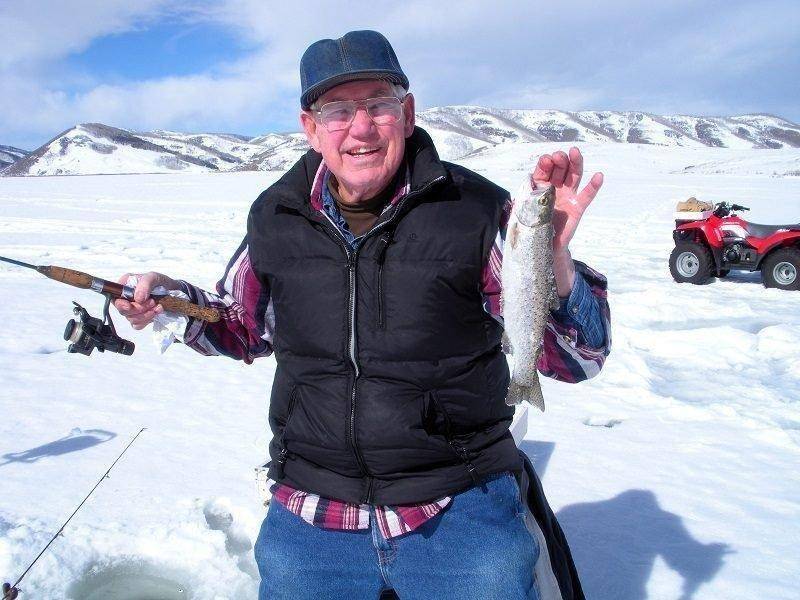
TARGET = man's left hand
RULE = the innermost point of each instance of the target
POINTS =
(564, 172)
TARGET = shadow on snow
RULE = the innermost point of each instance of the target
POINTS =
(615, 542)
(76, 440)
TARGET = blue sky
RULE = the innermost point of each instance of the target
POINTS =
(231, 65)
(168, 47)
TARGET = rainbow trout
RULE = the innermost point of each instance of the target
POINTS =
(529, 288)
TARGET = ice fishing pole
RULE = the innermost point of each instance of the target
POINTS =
(91, 333)
(10, 591)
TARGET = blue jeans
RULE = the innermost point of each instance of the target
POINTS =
(478, 548)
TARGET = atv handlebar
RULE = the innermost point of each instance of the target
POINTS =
(723, 209)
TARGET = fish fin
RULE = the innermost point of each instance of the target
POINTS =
(506, 344)
(515, 394)
(555, 301)
(518, 393)
(511, 234)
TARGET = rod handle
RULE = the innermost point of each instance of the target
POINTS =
(185, 307)
(68, 276)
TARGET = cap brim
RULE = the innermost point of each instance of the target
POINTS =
(312, 93)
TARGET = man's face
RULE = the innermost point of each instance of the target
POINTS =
(361, 176)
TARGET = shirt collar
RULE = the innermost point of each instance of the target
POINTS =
(320, 185)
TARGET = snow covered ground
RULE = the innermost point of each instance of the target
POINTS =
(674, 472)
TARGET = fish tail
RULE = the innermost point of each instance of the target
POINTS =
(518, 393)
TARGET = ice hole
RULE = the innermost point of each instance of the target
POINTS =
(129, 580)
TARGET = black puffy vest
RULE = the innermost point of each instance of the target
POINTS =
(390, 383)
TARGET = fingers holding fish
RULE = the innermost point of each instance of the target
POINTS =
(575, 171)
(588, 193)
(564, 171)
(543, 171)
(560, 168)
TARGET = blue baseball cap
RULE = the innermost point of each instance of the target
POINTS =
(356, 55)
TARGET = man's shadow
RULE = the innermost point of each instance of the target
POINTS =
(615, 542)
(76, 440)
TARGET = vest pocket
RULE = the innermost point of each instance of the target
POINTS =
(283, 452)
(437, 420)
(380, 258)
(379, 294)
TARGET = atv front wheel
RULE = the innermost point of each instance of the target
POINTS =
(781, 269)
(691, 263)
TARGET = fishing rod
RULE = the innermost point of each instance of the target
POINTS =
(10, 591)
(90, 332)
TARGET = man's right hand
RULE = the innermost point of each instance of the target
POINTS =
(141, 312)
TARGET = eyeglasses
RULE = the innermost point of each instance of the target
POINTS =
(337, 116)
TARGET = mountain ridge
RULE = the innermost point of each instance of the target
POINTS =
(458, 131)
(10, 155)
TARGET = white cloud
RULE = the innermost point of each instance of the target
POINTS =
(198, 102)
(40, 30)
(541, 96)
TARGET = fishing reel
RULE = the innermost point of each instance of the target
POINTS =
(90, 333)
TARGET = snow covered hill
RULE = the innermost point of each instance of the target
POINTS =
(458, 131)
(97, 148)
(277, 152)
(9, 154)
(482, 127)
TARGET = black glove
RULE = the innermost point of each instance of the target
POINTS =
(9, 593)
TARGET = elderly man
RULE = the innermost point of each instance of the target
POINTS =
(371, 270)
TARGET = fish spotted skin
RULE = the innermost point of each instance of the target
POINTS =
(529, 288)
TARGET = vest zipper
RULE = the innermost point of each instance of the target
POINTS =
(380, 258)
(352, 260)
(284, 453)
(457, 447)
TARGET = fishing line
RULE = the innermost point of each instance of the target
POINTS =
(9, 593)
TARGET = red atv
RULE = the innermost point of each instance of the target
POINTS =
(714, 242)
